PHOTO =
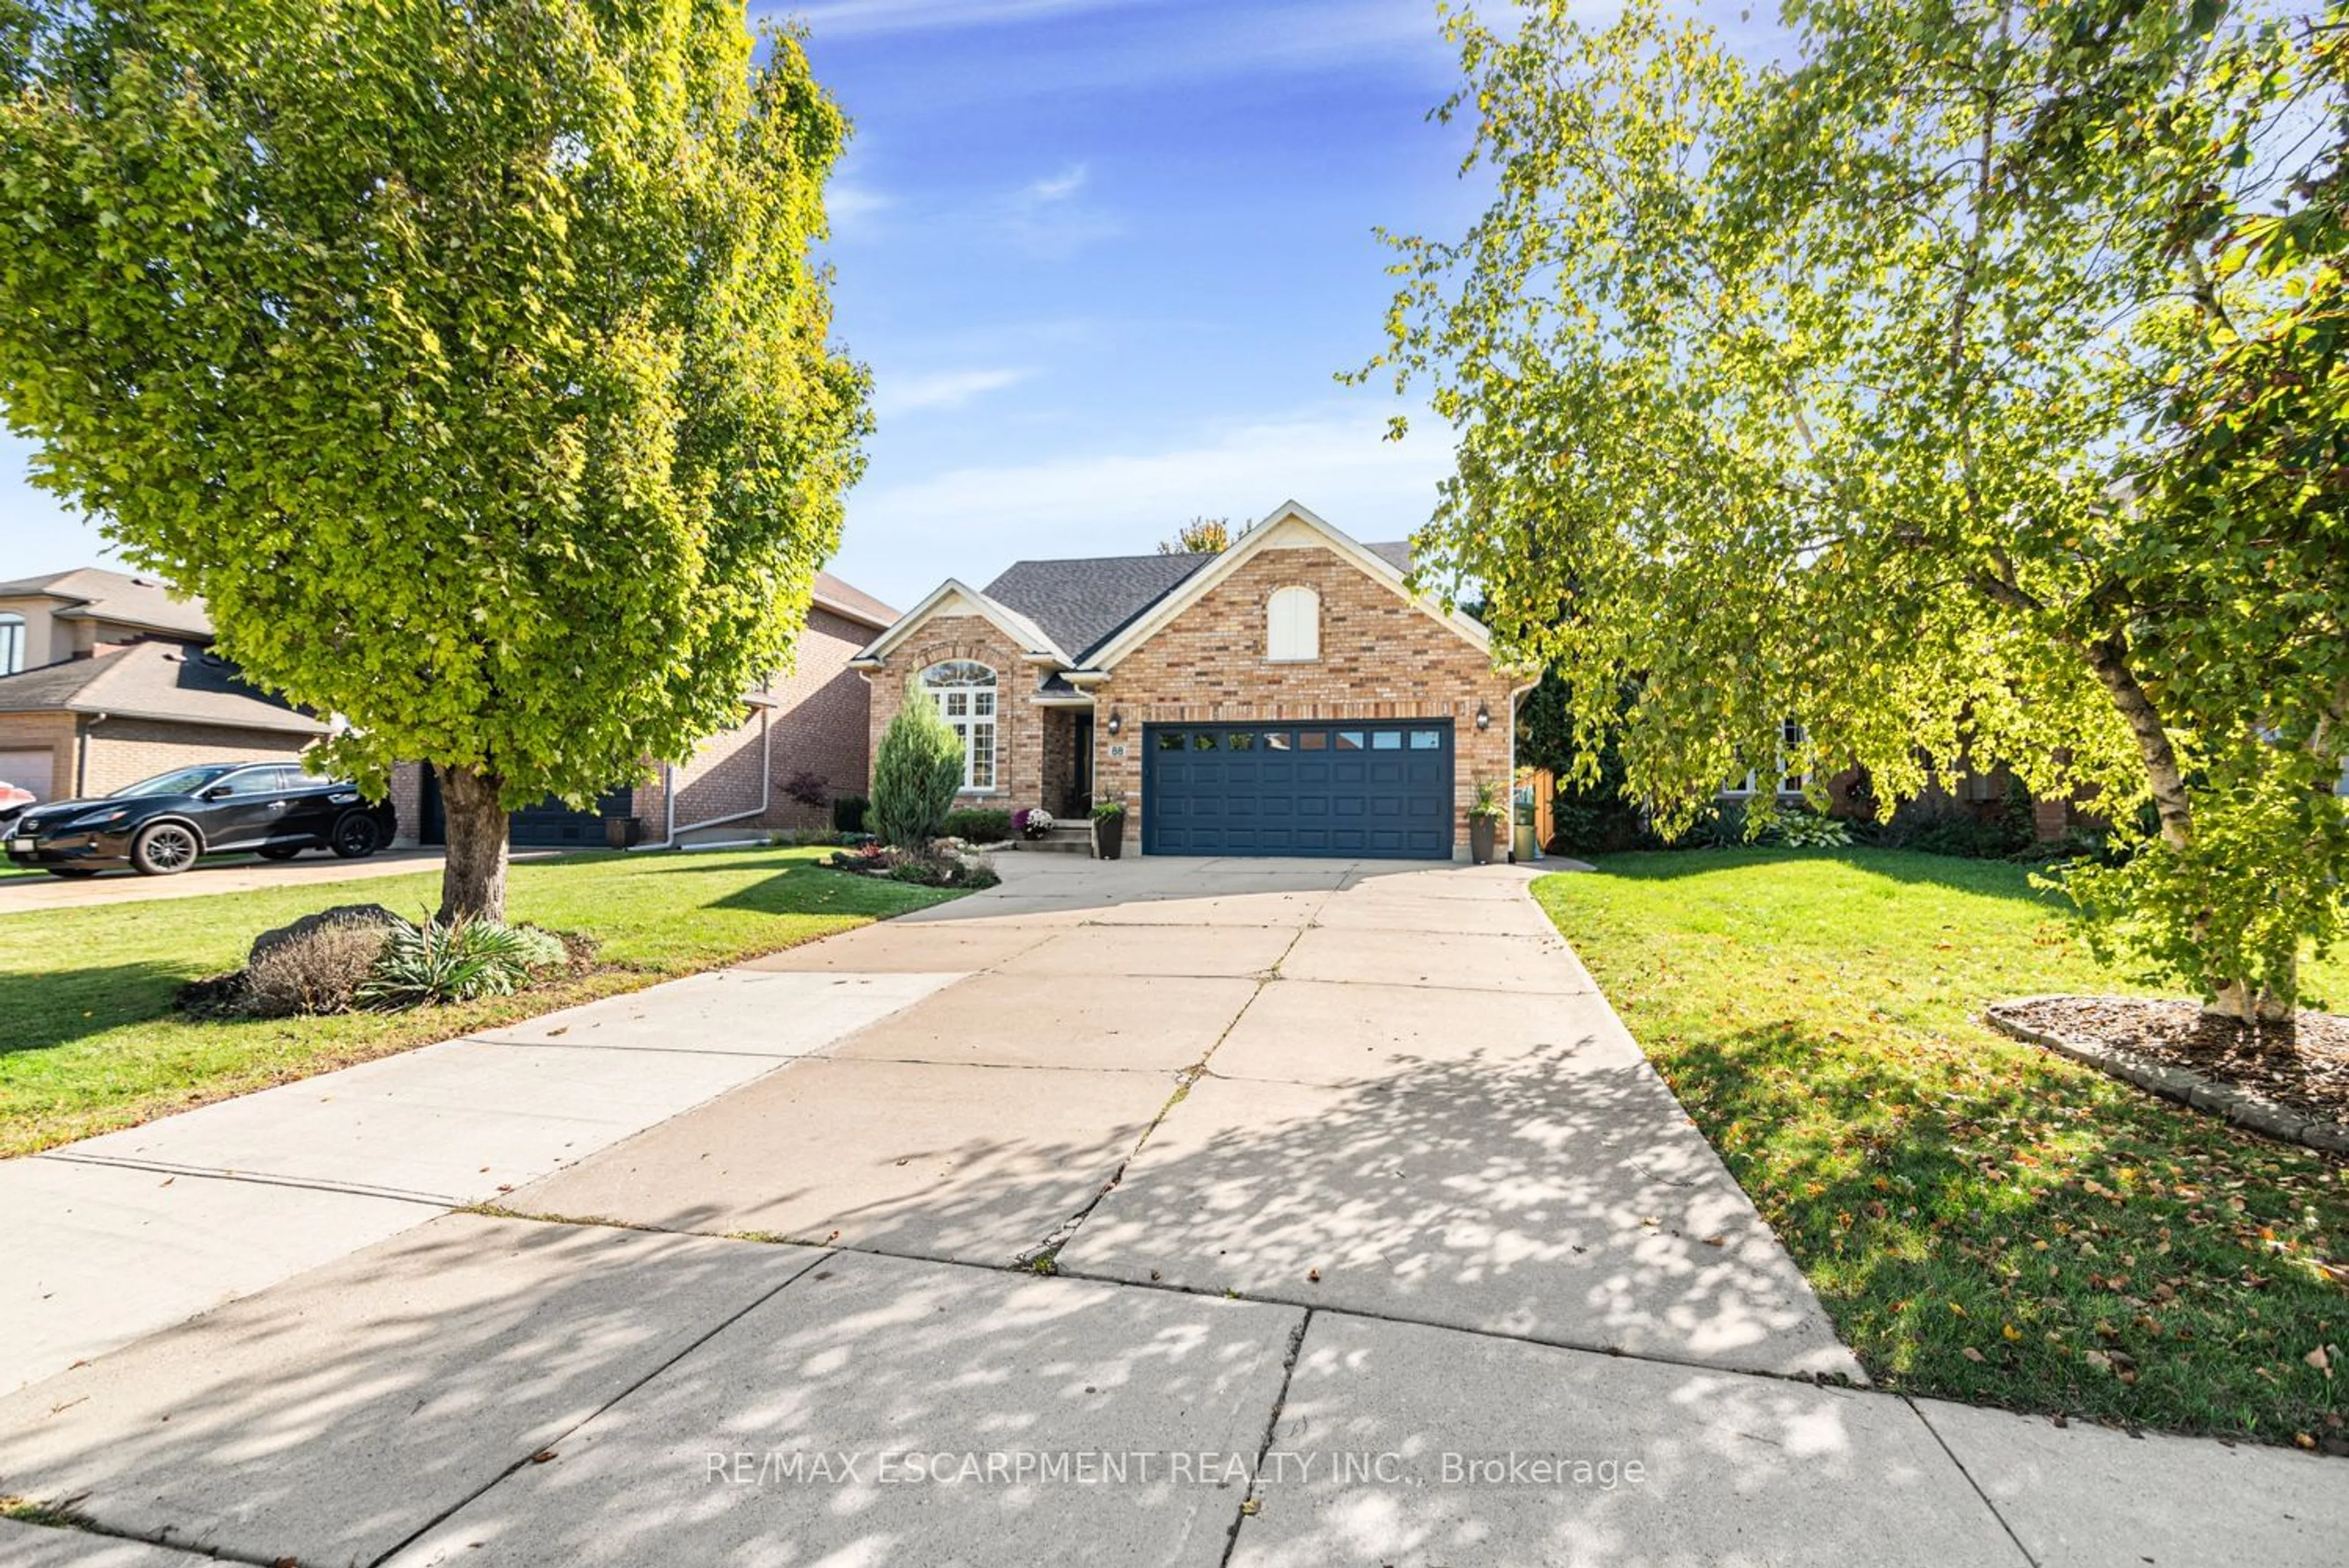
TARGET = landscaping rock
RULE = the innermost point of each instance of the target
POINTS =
(341, 914)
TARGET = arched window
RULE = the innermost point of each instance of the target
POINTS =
(1292, 624)
(965, 693)
(12, 643)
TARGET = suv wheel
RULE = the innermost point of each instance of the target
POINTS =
(164, 849)
(357, 836)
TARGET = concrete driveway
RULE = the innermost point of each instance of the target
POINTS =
(1371, 1238)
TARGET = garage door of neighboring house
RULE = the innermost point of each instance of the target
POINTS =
(549, 824)
(1381, 790)
(33, 769)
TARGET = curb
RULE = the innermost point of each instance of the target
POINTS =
(2240, 1107)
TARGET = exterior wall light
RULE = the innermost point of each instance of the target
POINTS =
(1484, 717)
(1116, 721)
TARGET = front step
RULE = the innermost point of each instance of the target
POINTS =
(1062, 838)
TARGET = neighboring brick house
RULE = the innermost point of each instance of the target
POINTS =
(107, 678)
(1290, 696)
(811, 720)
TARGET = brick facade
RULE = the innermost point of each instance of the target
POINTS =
(1381, 658)
(119, 752)
(818, 721)
(1018, 722)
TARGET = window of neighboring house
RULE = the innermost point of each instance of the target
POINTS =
(12, 643)
(1292, 625)
(965, 693)
(1791, 736)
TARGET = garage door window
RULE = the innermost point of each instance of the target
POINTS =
(965, 693)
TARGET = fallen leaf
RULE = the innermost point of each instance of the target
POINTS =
(2318, 1359)
(1313, 1276)
(1970, 1354)
(541, 1457)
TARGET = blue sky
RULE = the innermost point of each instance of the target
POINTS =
(1104, 257)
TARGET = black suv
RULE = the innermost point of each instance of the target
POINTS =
(159, 826)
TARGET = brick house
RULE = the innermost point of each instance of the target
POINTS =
(810, 720)
(1290, 696)
(107, 678)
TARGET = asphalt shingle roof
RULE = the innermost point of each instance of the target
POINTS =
(1080, 604)
(853, 601)
(118, 597)
(153, 680)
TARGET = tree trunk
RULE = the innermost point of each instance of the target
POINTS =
(2232, 997)
(473, 878)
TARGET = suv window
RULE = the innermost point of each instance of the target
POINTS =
(250, 781)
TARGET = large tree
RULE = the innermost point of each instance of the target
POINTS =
(1903, 389)
(467, 357)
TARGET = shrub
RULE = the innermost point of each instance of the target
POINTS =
(848, 813)
(808, 787)
(1804, 830)
(1720, 826)
(319, 970)
(978, 826)
(915, 773)
(456, 962)
(930, 870)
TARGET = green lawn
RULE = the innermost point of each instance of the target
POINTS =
(89, 1039)
(1985, 1221)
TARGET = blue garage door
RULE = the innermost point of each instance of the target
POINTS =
(1381, 790)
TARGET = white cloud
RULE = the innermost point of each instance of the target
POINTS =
(853, 208)
(972, 522)
(940, 389)
(848, 18)
(1055, 187)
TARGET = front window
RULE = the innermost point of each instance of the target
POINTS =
(965, 693)
(1791, 737)
(178, 781)
(12, 643)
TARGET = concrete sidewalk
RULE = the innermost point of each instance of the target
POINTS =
(1376, 1240)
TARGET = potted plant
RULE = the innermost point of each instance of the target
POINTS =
(1033, 821)
(1109, 829)
(1484, 814)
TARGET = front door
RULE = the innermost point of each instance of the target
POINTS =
(1080, 802)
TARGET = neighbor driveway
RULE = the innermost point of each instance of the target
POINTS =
(22, 892)
(1375, 1240)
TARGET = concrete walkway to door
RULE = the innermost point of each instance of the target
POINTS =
(1373, 1239)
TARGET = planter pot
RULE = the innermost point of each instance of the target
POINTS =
(1109, 838)
(1480, 840)
(623, 832)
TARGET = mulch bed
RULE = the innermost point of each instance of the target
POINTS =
(2303, 1066)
